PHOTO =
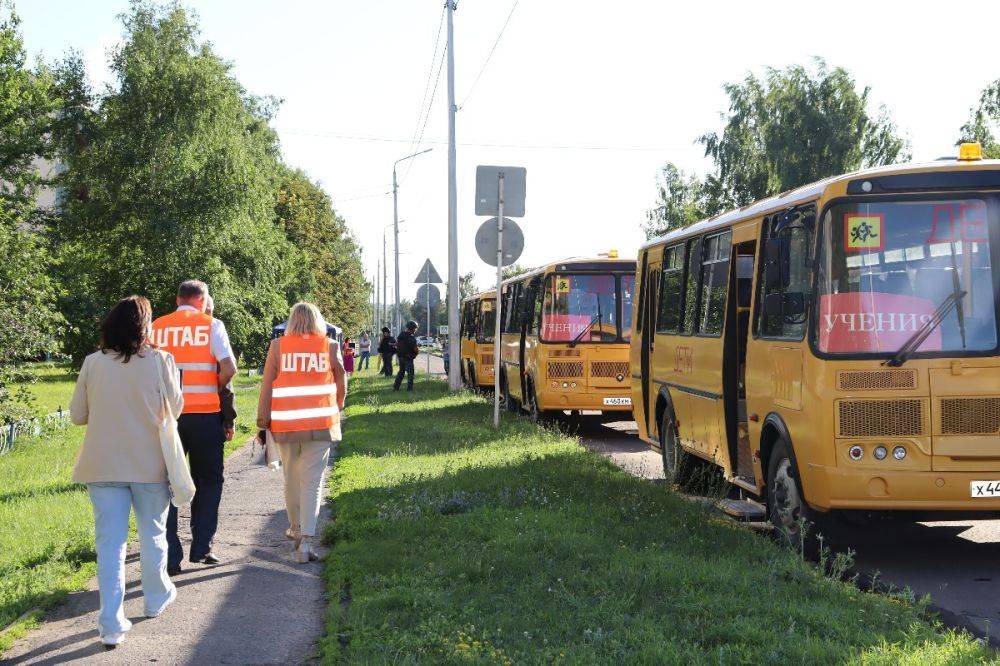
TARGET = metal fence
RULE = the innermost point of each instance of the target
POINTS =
(10, 432)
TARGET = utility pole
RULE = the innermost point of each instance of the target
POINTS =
(376, 313)
(385, 301)
(454, 378)
(395, 228)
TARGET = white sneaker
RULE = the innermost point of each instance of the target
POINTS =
(111, 641)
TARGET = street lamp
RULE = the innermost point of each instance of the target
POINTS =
(395, 227)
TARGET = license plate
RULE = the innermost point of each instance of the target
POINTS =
(614, 402)
(984, 489)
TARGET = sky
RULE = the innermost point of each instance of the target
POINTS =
(590, 97)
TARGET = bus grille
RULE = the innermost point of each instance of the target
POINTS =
(609, 369)
(876, 380)
(565, 369)
(486, 359)
(880, 418)
(970, 416)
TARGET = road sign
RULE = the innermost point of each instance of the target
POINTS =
(428, 274)
(487, 192)
(486, 241)
(422, 295)
(443, 329)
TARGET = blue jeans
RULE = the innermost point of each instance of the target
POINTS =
(365, 360)
(112, 505)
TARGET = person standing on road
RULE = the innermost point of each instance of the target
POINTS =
(117, 396)
(365, 348)
(406, 351)
(386, 348)
(200, 346)
(301, 396)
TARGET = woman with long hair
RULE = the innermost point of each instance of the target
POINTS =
(301, 397)
(118, 398)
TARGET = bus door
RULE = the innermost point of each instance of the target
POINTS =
(652, 283)
(531, 316)
(734, 361)
(708, 269)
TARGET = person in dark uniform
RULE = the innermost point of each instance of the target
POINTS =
(386, 348)
(406, 350)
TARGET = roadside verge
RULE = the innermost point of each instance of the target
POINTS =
(453, 542)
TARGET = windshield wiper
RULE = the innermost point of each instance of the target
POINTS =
(914, 341)
(596, 318)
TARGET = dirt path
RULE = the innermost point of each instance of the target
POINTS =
(257, 607)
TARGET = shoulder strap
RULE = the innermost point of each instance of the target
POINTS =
(160, 362)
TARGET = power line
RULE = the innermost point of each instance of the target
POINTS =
(384, 139)
(489, 55)
(427, 84)
(426, 116)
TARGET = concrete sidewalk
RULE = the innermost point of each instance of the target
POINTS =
(257, 607)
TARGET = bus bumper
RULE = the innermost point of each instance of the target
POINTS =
(835, 488)
(559, 400)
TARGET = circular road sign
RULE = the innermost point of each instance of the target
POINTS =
(486, 241)
(435, 295)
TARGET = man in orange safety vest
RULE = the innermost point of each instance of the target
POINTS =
(201, 349)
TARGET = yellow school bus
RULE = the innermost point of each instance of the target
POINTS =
(565, 337)
(478, 325)
(834, 348)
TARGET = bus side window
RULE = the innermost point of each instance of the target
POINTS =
(714, 283)
(691, 286)
(785, 274)
(539, 295)
(668, 319)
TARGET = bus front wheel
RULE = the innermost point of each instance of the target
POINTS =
(787, 510)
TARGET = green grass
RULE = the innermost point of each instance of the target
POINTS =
(46, 522)
(453, 543)
(53, 388)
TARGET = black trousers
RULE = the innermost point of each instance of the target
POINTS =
(387, 365)
(204, 440)
(405, 368)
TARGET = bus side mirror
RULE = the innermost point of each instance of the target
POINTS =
(775, 258)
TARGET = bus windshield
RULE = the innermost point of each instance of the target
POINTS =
(885, 268)
(487, 320)
(580, 307)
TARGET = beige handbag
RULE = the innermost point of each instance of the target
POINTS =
(179, 476)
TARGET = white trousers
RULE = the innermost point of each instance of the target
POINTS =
(303, 465)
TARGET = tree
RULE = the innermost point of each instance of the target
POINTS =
(29, 323)
(467, 285)
(681, 201)
(336, 275)
(792, 127)
(984, 122)
(174, 177)
(513, 270)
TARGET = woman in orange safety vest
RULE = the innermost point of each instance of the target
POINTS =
(302, 395)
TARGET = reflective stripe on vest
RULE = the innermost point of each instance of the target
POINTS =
(187, 334)
(304, 394)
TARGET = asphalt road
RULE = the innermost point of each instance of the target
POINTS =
(257, 607)
(956, 563)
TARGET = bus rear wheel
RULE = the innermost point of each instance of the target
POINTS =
(679, 466)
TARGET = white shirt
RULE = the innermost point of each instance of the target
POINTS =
(221, 349)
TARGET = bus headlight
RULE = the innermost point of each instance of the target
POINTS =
(899, 452)
(565, 385)
(573, 385)
(856, 453)
(880, 452)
